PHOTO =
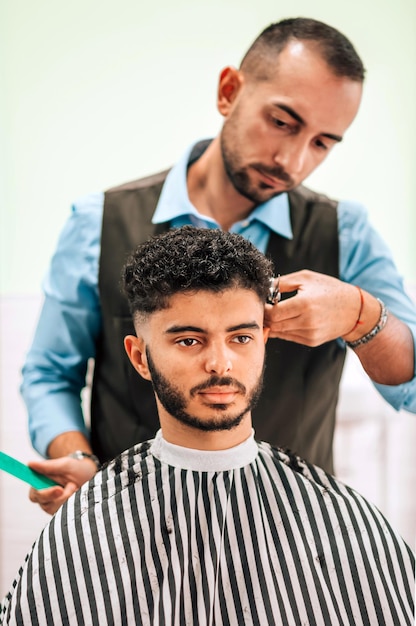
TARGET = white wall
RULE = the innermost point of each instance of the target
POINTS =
(97, 92)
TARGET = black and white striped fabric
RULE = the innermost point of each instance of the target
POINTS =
(251, 535)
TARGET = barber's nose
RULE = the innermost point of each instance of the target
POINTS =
(218, 360)
(292, 155)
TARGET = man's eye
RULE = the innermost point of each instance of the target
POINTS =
(242, 339)
(187, 342)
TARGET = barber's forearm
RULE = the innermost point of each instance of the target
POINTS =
(68, 442)
(389, 358)
(52, 413)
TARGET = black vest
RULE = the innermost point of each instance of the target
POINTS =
(297, 408)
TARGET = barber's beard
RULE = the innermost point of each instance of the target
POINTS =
(175, 403)
(239, 175)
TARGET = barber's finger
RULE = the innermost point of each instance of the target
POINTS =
(41, 496)
(51, 468)
(291, 282)
(49, 503)
(284, 310)
(40, 466)
(51, 499)
(52, 506)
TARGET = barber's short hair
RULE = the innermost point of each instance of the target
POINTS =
(337, 51)
(191, 259)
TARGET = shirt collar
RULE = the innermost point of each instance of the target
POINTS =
(174, 202)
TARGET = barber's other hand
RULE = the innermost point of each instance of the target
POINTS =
(70, 473)
(323, 309)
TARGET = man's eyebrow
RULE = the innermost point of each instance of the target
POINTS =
(300, 120)
(172, 330)
(243, 326)
(176, 329)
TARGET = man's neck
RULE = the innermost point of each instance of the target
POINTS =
(211, 191)
(189, 437)
(205, 460)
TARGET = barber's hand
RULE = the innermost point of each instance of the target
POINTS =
(323, 309)
(70, 473)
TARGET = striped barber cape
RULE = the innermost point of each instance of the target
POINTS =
(251, 535)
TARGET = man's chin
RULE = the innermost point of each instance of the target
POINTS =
(212, 424)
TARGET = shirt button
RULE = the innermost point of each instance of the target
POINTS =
(245, 223)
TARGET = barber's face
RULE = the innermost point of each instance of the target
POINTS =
(205, 356)
(276, 132)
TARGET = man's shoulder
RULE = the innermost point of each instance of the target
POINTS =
(293, 470)
(153, 180)
(129, 460)
(292, 465)
(284, 457)
(126, 469)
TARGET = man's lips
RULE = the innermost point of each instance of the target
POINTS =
(219, 395)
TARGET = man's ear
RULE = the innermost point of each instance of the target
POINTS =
(136, 351)
(266, 332)
(230, 83)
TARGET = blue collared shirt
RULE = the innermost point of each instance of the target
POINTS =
(174, 206)
(70, 320)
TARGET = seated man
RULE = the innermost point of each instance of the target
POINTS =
(204, 525)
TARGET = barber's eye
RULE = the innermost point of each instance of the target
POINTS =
(321, 144)
(279, 123)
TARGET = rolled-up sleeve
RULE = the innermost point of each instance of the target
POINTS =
(70, 320)
(366, 260)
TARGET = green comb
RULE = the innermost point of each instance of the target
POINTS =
(22, 471)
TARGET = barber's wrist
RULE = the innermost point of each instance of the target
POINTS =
(369, 316)
(66, 442)
(81, 455)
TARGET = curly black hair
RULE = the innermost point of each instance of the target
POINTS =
(190, 259)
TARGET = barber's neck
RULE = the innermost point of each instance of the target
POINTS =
(211, 191)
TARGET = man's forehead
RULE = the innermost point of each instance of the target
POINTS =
(210, 310)
(177, 300)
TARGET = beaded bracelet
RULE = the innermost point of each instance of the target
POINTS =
(374, 331)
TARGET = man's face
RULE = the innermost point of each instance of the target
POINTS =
(277, 131)
(205, 357)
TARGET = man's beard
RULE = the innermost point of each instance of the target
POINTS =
(239, 175)
(174, 401)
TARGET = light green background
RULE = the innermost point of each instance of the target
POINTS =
(96, 93)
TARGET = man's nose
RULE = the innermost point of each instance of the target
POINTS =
(218, 360)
